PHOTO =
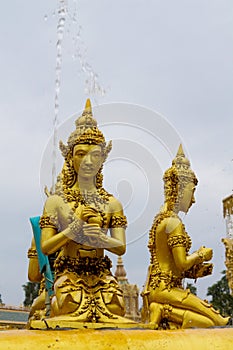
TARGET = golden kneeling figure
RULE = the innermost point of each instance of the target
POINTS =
(166, 304)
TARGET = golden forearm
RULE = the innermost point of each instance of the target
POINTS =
(117, 241)
(184, 262)
(50, 243)
(34, 274)
(115, 246)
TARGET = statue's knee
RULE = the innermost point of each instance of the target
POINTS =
(54, 307)
(155, 311)
(114, 303)
(116, 309)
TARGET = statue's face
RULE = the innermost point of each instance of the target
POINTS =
(188, 197)
(87, 160)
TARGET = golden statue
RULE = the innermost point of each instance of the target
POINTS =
(74, 227)
(228, 241)
(166, 304)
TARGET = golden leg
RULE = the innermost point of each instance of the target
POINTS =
(200, 307)
(155, 313)
(38, 304)
(116, 309)
(192, 319)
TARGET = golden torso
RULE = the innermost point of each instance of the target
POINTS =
(164, 273)
(163, 251)
(72, 248)
(64, 212)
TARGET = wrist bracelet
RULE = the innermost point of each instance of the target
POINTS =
(75, 226)
(32, 253)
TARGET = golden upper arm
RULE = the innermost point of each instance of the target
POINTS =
(176, 236)
(118, 224)
(46, 234)
(177, 241)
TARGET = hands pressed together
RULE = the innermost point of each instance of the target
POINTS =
(87, 229)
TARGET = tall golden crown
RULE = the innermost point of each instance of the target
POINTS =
(86, 132)
(177, 176)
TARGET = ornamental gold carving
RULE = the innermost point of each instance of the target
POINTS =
(80, 221)
(166, 304)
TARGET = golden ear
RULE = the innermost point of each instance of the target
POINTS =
(107, 150)
(64, 149)
(71, 163)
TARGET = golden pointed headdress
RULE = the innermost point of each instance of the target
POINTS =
(177, 177)
(86, 132)
(181, 163)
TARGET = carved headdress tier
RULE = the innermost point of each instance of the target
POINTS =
(176, 177)
(86, 132)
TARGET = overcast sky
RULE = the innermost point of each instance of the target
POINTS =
(173, 57)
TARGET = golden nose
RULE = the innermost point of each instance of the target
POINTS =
(87, 159)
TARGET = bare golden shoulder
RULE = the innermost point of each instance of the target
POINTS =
(172, 225)
(115, 205)
(52, 202)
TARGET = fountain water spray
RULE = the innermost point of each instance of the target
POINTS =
(62, 11)
(92, 85)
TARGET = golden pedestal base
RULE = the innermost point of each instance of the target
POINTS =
(116, 339)
(55, 323)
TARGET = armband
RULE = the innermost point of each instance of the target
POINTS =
(118, 221)
(177, 241)
(32, 253)
(48, 221)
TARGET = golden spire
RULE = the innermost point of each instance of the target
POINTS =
(180, 159)
(180, 167)
(86, 132)
(86, 120)
(180, 151)
(88, 104)
(120, 272)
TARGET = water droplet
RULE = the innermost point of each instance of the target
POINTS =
(45, 17)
